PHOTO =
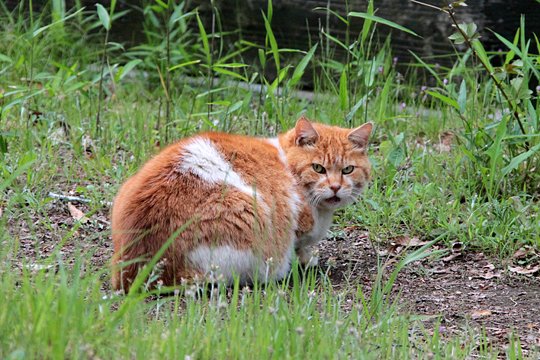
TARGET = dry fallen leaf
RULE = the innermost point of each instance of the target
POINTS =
(523, 252)
(76, 213)
(491, 275)
(476, 314)
(524, 270)
(443, 270)
(393, 249)
(400, 243)
(486, 272)
(451, 257)
(445, 142)
(407, 241)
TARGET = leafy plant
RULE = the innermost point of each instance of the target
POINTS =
(498, 149)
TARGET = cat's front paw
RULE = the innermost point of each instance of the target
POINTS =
(308, 257)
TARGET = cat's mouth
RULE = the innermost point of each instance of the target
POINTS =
(333, 200)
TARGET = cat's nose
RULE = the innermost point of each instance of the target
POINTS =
(335, 188)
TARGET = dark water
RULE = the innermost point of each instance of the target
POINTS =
(296, 23)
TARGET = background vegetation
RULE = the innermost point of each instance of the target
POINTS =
(455, 154)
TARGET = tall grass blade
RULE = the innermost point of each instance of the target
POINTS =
(43, 28)
(301, 67)
(516, 161)
(383, 21)
(103, 17)
(343, 91)
(273, 43)
(204, 38)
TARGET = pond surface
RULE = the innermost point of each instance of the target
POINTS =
(296, 24)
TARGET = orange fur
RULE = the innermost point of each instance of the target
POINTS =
(249, 200)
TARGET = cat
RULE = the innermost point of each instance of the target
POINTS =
(238, 205)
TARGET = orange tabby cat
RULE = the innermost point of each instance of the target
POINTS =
(250, 203)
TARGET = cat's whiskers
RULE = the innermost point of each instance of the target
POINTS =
(313, 200)
(356, 193)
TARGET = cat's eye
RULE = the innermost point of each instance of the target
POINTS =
(347, 170)
(318, 168)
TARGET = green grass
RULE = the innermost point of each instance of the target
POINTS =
(66, 309)
(69, 316)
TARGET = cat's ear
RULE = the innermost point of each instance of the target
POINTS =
(359, 137)
(305, 133)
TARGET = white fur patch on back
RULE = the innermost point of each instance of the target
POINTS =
(201, 158)
(229, 262)
(294, 199)
(275, 142)
(294, 203)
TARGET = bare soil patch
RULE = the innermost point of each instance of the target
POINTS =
(467, 289)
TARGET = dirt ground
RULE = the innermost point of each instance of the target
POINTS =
(466, 289)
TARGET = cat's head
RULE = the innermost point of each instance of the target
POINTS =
(329, 162)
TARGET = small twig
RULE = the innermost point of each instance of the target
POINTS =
(167, 99)
(168, 73)
(68, 198)
(211, 65)
(100, 94)
(103, 221)
(427, 5)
